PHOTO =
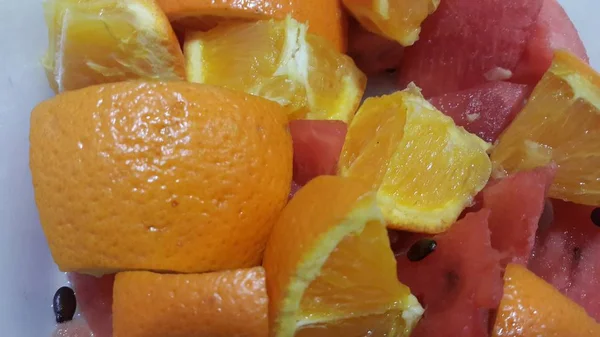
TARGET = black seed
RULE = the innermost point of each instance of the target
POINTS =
(390, 70)
(64, 304)
(596, 216)
(420, 249)
(576, 254)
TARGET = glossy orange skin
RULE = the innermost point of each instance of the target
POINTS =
(324, 17)
(219, 304)
(164, 176)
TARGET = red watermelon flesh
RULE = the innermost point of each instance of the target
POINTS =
(553, 30)
(567, 255)
(94, 301)
(464, 41)
(459, 282)
(516, 204)
(485, 110)
(75, 328)
(317, 147)
(372, 53)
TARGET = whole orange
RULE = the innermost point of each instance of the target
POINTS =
(163, 176)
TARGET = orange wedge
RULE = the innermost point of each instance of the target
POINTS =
(325, 18)
(220, 304)
(560, 123)
(94, 42)
(398, 20)
(330, 269)
(531, 307)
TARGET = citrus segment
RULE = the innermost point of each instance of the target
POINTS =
(165, 176)
(424, 168)
(93, 42)
(280, 61)
(396, 20)
(219, 304)
(560, 123)
(330, 268)
(324, 18)
(531, 307)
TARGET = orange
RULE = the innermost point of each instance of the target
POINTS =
(330, 269)
(530, 307)
(398, 20)
(560, 123)
(280, 61)
(324, 17)
(424, 168)
(94, 42)
(219, 304)
(164, 176)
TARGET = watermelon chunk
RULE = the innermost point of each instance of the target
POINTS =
(553, 30)
(485, 110)
(567, 255)
(75, 328)
(317, 147)
(467, 43)
(459, 282)
(372, 53)
(94, 301)
(516, 204)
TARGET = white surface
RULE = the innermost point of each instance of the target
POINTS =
(29, 277)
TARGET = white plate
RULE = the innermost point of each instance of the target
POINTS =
(29, 277)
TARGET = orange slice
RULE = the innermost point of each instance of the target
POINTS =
(425, 169)
(330, 269)
(220, 304)
(324, 18)
(560, 123)
(280, 61)
(93, 42)
(398, 20)
(531, 307)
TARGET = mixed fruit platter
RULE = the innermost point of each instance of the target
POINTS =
(210, 168)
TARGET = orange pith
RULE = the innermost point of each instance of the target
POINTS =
(167, 176)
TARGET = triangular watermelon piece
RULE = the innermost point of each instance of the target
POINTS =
(485, 110)
(459, 282)
(94, 301)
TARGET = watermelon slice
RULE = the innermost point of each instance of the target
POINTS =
(467, 43)
(567, 255)
(94, 301)
(485, 110)
(459, 282)
(553, 30)
(317, 147)
(516, 204)
(372, 53)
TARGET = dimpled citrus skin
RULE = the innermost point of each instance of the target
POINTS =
(219, 304)
(163, 176)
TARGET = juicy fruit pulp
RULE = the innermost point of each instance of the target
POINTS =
(424, 168)
(560, 124)
(280, 61)
(330, 270)
(94, 42)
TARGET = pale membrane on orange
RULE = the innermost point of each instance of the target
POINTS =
(425, 169)
(280, 61)
(94, 42)
(330, 269)
(560, 123)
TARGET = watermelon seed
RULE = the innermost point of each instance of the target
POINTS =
(64, 304)
(596, 216)
(421, 249)
(452, 279)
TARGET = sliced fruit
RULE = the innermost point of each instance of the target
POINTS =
(531, 307)
(93, 42)
(94, 301)
(560, 123)
(485, 110)
(567, 254)
(468, 43)
(75, 328)
(329, 267)
(424, 168)
(317, 147)
(280, 61)
(458, 282)
(219, 304)
(373, 54)
(396, 20)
